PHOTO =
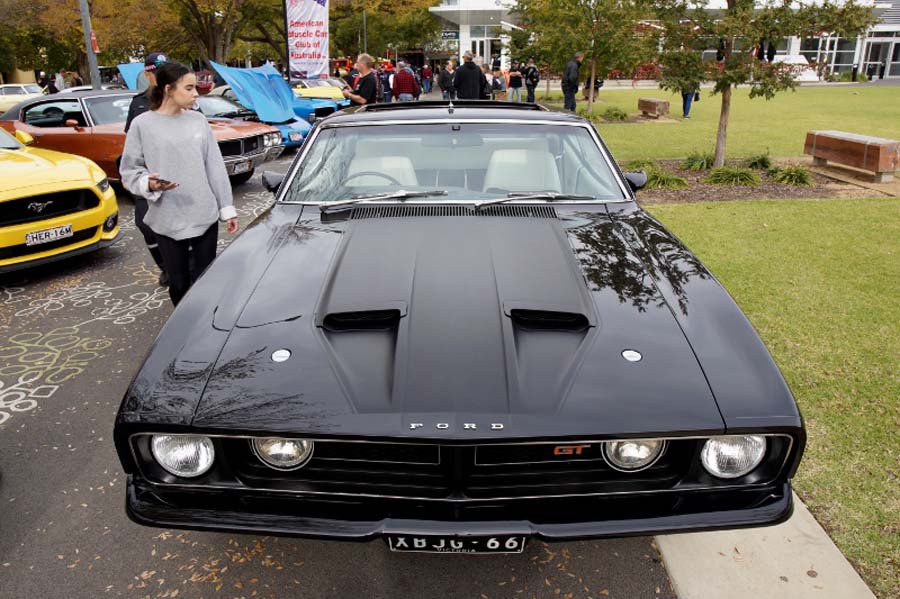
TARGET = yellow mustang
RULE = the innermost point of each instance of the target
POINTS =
(52, 205)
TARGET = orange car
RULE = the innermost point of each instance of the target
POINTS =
(92, 124)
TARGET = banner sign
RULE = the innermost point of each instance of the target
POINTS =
(307, 35)
(449, 35)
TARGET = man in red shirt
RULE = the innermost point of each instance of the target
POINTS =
(405, 88)
(427, 74)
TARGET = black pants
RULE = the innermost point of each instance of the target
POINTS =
(140, 210)
(530, 91)
(186, 259)
(569, 95)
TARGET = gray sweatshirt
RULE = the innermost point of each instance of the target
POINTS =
(182, 149)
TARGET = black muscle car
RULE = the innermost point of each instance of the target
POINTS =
(456, 330)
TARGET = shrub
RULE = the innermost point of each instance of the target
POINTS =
(698, 161)
(847, 76)
(615, 114)
(728, 175)
(641, 165)
(760, 161)
(792, 175)
(657, 178)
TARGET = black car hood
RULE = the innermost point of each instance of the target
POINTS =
(459, 327)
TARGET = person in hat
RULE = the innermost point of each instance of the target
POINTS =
(139, 105)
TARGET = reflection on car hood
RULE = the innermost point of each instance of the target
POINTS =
(465, 342)
(231, 128)
(28, 167)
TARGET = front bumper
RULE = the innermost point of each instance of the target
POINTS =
(552, 519)
(105, 241)
(236, 165)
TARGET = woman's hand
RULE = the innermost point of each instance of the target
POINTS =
(232, 225)
(156, 183)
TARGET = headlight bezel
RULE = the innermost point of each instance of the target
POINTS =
(607, 445)
(254, 446)
(103, 184)
(205, 441)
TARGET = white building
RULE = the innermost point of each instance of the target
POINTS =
(480, 26)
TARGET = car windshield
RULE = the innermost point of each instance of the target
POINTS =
(219, 106)
(470, 161)
(8, 142)
(107, 110)
(33, 89)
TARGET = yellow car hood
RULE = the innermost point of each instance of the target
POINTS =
(30, 167)
(328, 93)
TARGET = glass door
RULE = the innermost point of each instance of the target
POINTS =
(894, 70)
(876, 59)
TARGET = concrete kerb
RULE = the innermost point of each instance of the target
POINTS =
(796, 559)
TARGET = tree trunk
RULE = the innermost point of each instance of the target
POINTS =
(548, 82)
(591, 85)
(723, 128)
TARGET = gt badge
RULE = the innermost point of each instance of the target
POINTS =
(569, 449)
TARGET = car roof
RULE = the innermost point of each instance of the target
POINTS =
(13, 113)
(459, 109)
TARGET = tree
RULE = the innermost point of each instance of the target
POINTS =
(211, 24)
(739, 34)
(605, 30)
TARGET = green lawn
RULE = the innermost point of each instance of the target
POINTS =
(820, 280)
(779, 124)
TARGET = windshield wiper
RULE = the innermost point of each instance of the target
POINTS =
(550, 196)
(396, 195)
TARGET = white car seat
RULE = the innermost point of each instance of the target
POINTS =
(397, 167)
(522, 170)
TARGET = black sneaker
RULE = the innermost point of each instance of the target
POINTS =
(163, 279)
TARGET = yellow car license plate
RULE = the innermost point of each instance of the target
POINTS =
(48, 235)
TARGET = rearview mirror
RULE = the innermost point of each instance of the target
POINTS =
(636, 179)
(24, 138)
(272, 180)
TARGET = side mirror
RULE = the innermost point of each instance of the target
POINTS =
(73, 123)
(272, 180)
(24, 138)
(636, 179)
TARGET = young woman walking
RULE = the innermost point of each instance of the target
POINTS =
(171, 158)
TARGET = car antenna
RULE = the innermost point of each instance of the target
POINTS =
(450, 107)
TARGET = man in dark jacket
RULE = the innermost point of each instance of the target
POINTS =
(570, 81)
(445, 81)
(468, 81)
(139, 105)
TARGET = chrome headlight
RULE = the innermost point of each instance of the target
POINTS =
(272, 139)
(103, 184)
(733, 456)
(633, 454)
(187, 456)
(283, 454)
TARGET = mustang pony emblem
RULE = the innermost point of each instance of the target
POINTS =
(39, 206)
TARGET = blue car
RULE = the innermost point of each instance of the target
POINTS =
(293, 131)
(308, 109)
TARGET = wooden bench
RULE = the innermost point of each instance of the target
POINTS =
(876, 154)
(653, 107)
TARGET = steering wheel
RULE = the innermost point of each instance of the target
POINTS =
(372, 173)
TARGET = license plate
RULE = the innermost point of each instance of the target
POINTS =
(451, 544)
(295, 136)
(242, 167)
(48, 235)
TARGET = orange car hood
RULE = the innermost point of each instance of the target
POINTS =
(229, 128)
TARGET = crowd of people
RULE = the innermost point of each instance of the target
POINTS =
(62, 80)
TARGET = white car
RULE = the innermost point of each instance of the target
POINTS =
(13, 93)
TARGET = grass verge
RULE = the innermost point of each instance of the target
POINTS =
(820, 281)
(779, 124)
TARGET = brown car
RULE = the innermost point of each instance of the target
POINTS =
(92, 124)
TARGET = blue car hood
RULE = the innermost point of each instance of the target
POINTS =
(262, 90)
(130, 73)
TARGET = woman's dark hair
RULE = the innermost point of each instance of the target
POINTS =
(167, 74)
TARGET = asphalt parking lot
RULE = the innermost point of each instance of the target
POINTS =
(71, 337)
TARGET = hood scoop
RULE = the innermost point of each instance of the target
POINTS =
(547, 320)
(366, 320)
(393, 211)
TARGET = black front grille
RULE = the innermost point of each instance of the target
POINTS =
(323, 111)
(232, 147)
(394, 211)
(252, 144)
(17, 251)
(458, 472)
(46, 206)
